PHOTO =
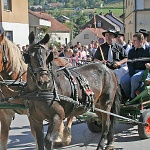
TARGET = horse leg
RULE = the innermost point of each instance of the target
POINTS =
(110, 136)
(5, 121)
(54, 125)
(58, 140)
(105, 128)
(37, 131)
(67, 132)
(33, 132)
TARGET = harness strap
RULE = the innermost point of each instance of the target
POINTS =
(73, 82)
(86, 90)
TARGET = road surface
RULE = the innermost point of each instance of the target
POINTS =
(126, 137)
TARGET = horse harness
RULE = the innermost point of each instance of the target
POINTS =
(87, 93)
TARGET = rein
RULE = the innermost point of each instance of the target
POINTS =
(48, 96)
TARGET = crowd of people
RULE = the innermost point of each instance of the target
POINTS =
(127, 60)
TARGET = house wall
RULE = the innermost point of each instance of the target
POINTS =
(80, 38)
(60, 37)
(129, 26)
(16, 20)
(18, 13)
(136, 17)
(147, 4)
(20, 32)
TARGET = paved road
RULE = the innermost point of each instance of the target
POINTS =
(126, 137)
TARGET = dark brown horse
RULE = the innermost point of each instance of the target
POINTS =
(13, 68)
(59, 86)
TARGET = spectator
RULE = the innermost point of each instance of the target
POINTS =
(92, 42)
(61, 52)
(23, 49)
(94, 48)
(75, 58)
(90, 50)
(27, 47)
(68, 54)
(137, 58)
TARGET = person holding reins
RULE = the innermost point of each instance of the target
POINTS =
(112, 54)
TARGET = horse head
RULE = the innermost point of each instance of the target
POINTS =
(38, 59)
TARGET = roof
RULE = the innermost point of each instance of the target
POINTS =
(114, 17)
(96, 31)
(64, 17)
(54, 5)
(101, 17)
(110, 22)
(56, 26)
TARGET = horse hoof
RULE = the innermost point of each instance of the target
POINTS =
(66, 143)
(109, 147)
(58, 142)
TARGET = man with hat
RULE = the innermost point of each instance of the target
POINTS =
(112, 54)
(145, 33)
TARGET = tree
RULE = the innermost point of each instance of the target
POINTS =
(81, 20)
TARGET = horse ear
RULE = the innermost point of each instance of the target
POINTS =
(31, 37)
(26, 58)
(45, 39)
(50, 57)
(2, 37)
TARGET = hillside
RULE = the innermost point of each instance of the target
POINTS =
(76, 3)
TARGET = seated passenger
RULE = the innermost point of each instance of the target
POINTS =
(112, 54)
(138, 56)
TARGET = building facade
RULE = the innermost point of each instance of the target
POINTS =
(14, 20)
(136, 16)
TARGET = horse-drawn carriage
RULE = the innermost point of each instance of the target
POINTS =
(55, 93)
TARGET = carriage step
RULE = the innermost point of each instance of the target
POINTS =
(12, 106)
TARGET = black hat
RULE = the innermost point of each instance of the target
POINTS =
(144, 32)
(110, 31)
(119, 33)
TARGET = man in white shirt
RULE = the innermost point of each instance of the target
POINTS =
(121, 42)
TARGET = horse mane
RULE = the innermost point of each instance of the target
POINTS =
(60, 61)
(15, 57)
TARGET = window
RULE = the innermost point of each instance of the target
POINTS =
(86, 36)
(9, 35)
(7, 4)
(66, 41)
(99, 24)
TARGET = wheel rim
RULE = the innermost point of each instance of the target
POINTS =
(148, 127)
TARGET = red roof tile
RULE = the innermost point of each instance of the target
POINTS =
(55, 25)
